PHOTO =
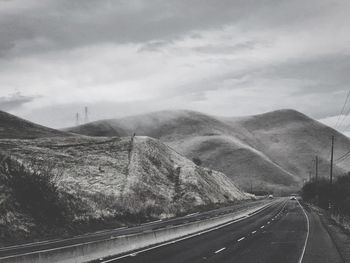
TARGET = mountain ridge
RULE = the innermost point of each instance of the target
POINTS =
(99, 179)
(273, 150)
(13, 127)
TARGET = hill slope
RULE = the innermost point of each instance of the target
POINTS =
(272, 151)
(12, 127)
(115, 178)
(293, 139)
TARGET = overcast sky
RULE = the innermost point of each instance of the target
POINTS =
(125, 57)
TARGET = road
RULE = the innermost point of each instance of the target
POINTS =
(107, 234)
(282, 233)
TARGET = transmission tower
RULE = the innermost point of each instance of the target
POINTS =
(86, 115)
(77, 121)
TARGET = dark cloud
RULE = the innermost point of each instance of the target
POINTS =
(66, 24)
(226, 49)
(154, 46)
(14, 101)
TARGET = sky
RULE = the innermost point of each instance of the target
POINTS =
(126, 57)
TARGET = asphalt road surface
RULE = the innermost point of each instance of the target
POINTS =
(107, 234)
(282, 233)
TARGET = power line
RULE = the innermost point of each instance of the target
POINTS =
(343, 157)
(347, 127)
(342, 111)
(341, 123)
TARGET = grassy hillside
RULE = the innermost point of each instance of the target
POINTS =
(12, 127)
(99, 179)
(294, 139)
(272, 151)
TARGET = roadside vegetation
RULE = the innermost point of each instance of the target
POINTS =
(31, 203)
(37, 202)
(36, 193)
(335, 196)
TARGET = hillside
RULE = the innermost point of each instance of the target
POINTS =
(12, 127)
(293, 139)
(115, 178)
(272, 151)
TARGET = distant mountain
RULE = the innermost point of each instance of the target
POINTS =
(271, 151)
(12, 127)
(293, 140)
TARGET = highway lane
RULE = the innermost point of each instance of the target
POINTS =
(107, 234)
(230, 242)
(285, 232)
(282, 240)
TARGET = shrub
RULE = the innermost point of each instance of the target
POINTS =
(197, 161)
(36, 192)
(322, 193)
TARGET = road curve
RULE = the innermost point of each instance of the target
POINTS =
(284, 232)
(107, 234)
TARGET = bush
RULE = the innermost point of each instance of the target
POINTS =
(322, 193)
(36, 192)
(197, 161)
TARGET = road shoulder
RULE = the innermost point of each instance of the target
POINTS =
(321, 246)
(340, 236)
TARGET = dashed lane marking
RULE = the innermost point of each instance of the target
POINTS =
(218, 251)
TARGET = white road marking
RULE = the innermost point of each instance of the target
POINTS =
(254, 232)
(268, 222)
(218, 251)
(192, 214)
(239, 240)
(307, 235)
(262, 227)
(152, 222)
(57, 240)
(264, 207)
(193, 235)
(124, 227)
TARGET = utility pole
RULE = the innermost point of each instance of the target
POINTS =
(316, 168)
(331, 175)
(332, 155)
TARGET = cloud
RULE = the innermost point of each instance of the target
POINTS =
(51, 25)
(225, 49)
(154, 46)
(221, 57)
(14, 101)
